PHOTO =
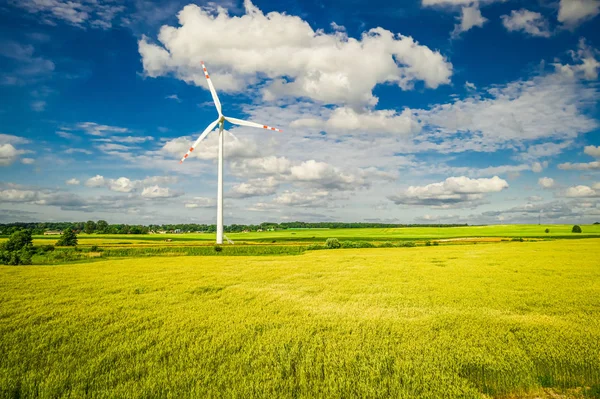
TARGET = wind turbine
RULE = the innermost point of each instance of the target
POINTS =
(220, 121)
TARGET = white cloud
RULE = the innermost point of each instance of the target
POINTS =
(470, 17)
(126, 185)
(158, 192)
(538, 167)
(255, 188)
(546, 182)
(581, 192)
(78, 150)
(96, 181)
(81, 13)
(579, 166)
(527, 21)
(95, 129)
(325, 175)
(200, 202)
(131, 139)
(331, 68)
(173, 97)
(302, 199)
(453, 192)
(574, 12)
(470, 86)
(592, 151)
(8, 154)
(550, 106)
(27, 161)
(587, 66)
(347, 119)
(270, 165)
(72, 182)
(10, 139)
(122, 185)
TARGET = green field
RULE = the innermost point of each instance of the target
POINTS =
(320, 235)
(511, 319)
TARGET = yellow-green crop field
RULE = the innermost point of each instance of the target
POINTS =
(301, 236)
(512, 319)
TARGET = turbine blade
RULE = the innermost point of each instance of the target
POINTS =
(202, 136)
(213, 92)
(251, 124)
(232, 135)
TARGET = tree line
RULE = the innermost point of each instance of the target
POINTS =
(102, 227)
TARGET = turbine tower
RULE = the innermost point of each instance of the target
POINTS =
(220, 121)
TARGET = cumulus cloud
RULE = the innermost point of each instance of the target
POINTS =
(453, 192)
(586, 65)
(593, 151)
(8, 154)
(96, 181)
(122, 185)
(527, 21)
(73, 182)
(296, 60)
(573, 12)
(546, 182)
(470, 17)
(27, 161)
(581, 192)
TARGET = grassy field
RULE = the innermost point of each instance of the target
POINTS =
(470, 321)
(320, 235)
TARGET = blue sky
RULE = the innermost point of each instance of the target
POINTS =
(449, 111)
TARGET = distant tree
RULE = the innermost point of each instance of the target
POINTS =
(90, 227)
(576, 229)
(333, 243)
(18, 240)
(101, 226)
(68, 239)
(547, 230)
(18, 249)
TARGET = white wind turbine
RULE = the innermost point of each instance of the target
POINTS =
(220, 121)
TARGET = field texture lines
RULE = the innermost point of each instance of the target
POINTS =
(468, 321)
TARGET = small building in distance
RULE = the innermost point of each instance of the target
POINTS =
(52, 233)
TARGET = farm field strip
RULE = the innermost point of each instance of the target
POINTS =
(303, 237)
